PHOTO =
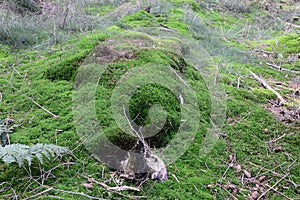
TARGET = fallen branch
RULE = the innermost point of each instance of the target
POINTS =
(270, 188)
(293, 25)
(120, 188)
(279, 192)
(282, 69)
(33, 101)
(77, 193)
(267, 86)
(165, 28)
(284, 135)
(47, 111)
(39, 194)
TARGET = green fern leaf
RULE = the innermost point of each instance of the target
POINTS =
(19, 153)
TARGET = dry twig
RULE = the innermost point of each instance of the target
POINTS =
(282, 69)
(270, 188)
(267, 86)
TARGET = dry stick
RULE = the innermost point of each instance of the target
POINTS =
(175, 178)
(270, 188)
(33, 101)
(117, 189)
(140, 137)
(166, 28)
(47, 111)
(279, 192)
(282, 69)
(76, 193)
(274, 140)
(268, 170)
(267, 86)
(239, 82)
(39, 194)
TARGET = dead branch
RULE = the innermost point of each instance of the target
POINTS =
(279, 192)
(39, 194)
(270, 188)
(284, 135)
(47, 111)
(138, 135)
(166, 28)
(282, 69)
(77, 193)
(117, 189)
(33, 101)
(267, 86)
(120, 188)
(274, 66)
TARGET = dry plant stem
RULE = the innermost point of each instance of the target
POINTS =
(279, 192)
(33, 101)
(77, 193)
(47, 111)
(267, 86)
(39, 194)
(268, 170)
(140, 137)
(282, 69)
(120, 188)
(270, 188)
(175, 178)
(284, 135)
(116, 189)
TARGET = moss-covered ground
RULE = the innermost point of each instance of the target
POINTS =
(257, 153)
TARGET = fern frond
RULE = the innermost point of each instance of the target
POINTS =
(19, 153)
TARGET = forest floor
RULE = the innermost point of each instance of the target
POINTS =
(249, 96)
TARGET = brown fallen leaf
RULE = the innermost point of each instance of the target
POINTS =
(262, 178)
(247, 173)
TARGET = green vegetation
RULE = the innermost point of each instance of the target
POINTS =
(258, 145)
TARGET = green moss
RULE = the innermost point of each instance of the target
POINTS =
(47, 76)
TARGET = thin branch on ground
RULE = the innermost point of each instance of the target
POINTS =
(279, 192)
(267, 86)
(284, 135)
(270, 188)
(33, 101)
(39, 194)
(282, 69)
